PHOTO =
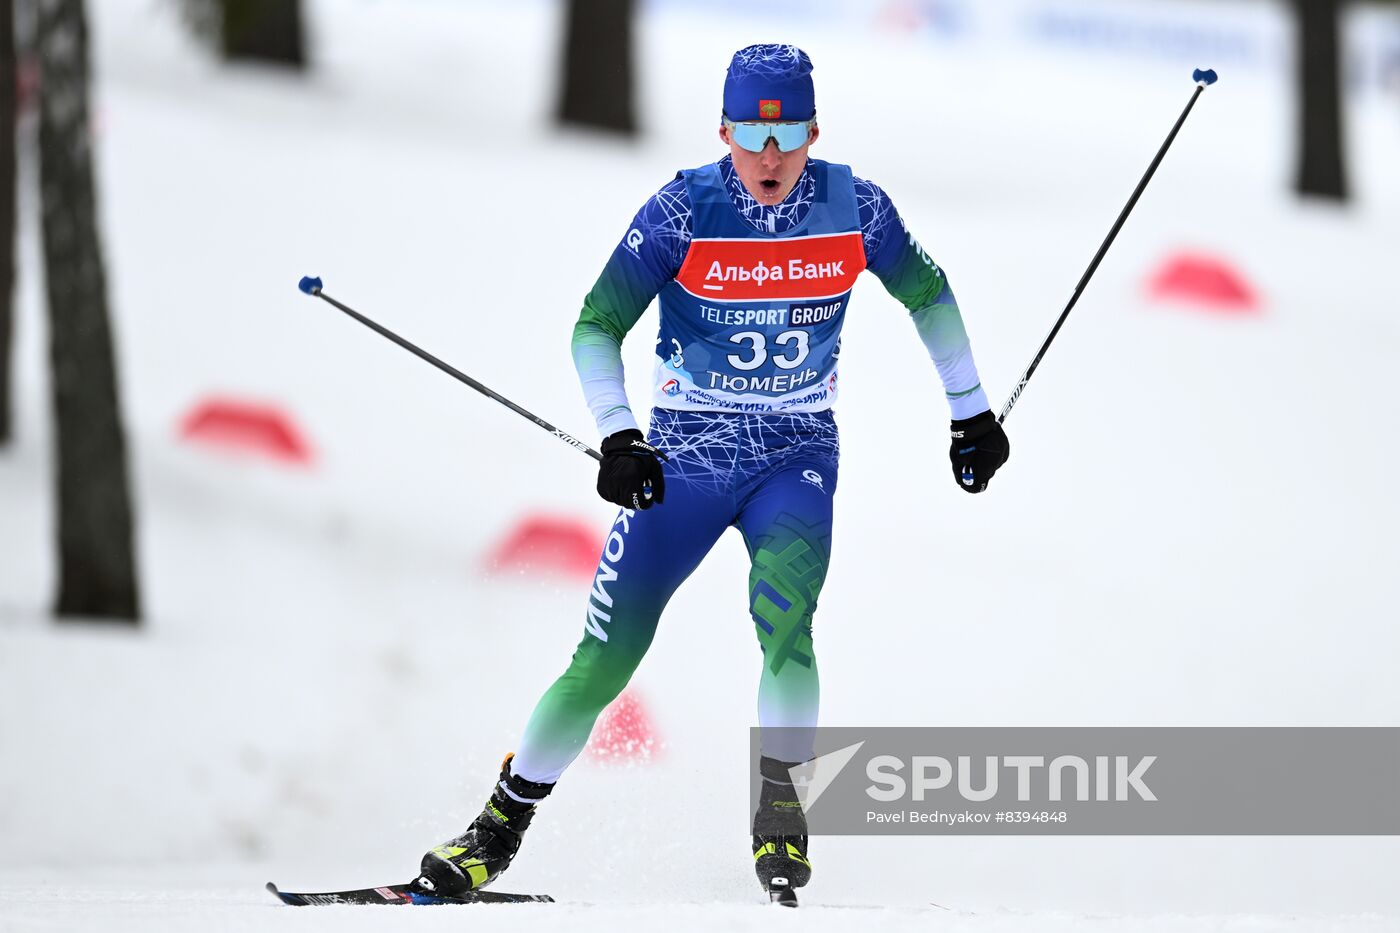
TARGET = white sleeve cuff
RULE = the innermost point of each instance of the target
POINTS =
(618, 420)
(965, 406)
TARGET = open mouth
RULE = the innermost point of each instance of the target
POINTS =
(769, 185)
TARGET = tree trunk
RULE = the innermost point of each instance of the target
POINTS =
(264, 30)
(597, 69)
(97, 575)
(9, 67)
(1321, 165)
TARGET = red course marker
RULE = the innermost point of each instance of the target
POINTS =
(1205, 281)
(550, 545)
(255, 428)
(624, 733)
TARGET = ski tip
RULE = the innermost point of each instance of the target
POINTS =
(311, 284)
(272, 889)
(1204, 76)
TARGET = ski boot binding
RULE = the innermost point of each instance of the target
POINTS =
(478, 856)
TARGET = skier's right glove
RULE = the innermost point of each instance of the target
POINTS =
(979, 449)
(630, 474)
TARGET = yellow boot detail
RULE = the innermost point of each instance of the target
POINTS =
(475, 869)
(448, 853)
(796, 854)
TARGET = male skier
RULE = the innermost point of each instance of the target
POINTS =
(753, 258)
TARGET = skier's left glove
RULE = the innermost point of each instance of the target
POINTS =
(630, 474)
(979, 449)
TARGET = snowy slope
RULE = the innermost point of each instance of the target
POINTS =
(1195, 527)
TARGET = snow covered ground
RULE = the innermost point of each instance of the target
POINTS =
(1194, 528)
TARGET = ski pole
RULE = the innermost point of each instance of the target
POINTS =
(1203, 79)
(312, 286)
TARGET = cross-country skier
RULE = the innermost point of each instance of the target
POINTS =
(753, 258)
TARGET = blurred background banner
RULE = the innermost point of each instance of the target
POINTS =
(253, 558)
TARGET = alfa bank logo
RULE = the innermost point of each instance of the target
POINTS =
(802, 269)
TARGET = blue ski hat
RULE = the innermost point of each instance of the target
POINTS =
(769, 82)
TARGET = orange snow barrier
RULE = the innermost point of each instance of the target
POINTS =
(624, 733)
(1205, 281)
(547, 544)
(246, 427)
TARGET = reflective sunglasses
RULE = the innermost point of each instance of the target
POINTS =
(753, 136)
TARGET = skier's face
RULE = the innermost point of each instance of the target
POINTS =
(771, 174)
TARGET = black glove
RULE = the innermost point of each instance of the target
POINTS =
(979, 449)
(630, 474)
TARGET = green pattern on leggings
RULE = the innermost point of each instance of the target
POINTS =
(788, 570)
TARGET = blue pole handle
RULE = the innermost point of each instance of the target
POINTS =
(1204, 76)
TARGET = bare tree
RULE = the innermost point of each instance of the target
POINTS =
(1321, 159)
(597, 73)
(264, 30)
(9, 67)
(97, 575)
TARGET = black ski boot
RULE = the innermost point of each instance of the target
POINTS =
(475, 858)
(780, 834)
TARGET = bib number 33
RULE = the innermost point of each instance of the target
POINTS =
(793, 343)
